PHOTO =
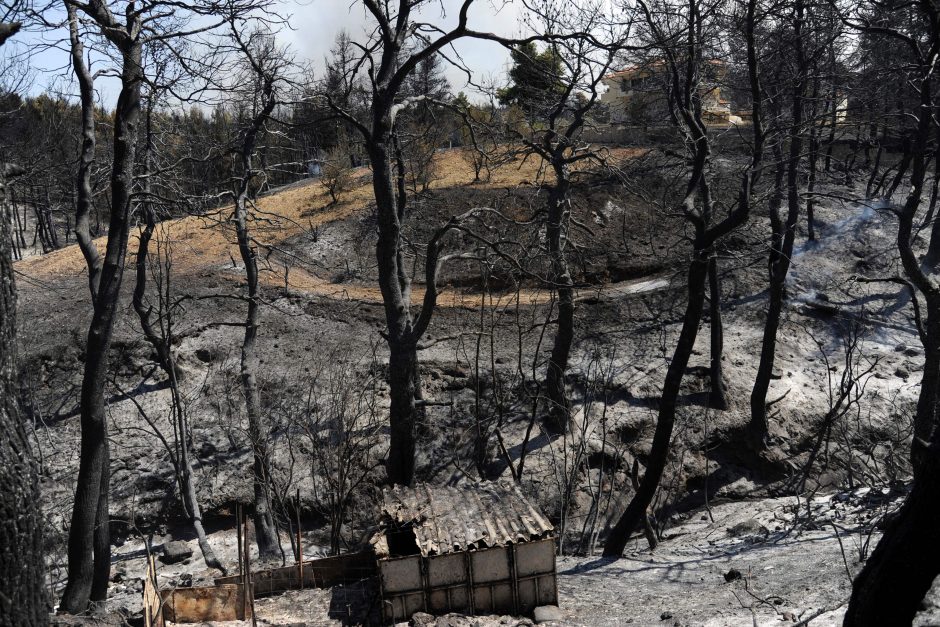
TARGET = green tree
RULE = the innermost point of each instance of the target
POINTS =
(534, 79)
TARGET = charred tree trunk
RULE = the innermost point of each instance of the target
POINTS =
(403, 381)
(778, 266)
(703, 249)
(161, 343)
(812, 160)
(89, 546)
(22, 562)
(559, 409)
(925, 419)
(84, 195)
(403, 386)
(717, 394)
(263, 516)
(889, 589)
(780, 257)
(636, 511)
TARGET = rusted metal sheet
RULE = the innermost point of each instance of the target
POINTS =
(320, 573)
(196, 605)
(513, 579)
(446, 519)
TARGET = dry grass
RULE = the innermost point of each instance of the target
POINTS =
(208, 241)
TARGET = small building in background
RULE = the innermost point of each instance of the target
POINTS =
(477, 549)
(636, 95)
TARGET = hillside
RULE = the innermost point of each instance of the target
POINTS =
(320, 327)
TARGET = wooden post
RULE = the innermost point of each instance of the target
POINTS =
(239, 515)
(249, 592)
(238, 527)
(300, 546)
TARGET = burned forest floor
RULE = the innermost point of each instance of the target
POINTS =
(744, 540)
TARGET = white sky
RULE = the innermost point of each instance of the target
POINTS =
(315, 24)
(313, 28)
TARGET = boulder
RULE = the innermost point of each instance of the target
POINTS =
(175, 551)
(548, 614)
(748, 528)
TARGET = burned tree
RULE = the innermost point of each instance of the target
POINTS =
(265, 72)
(126, 35)
(386, 61)
(22, 562)
(684, 60)
(89, 563)
(157, 324)
(557, 89)
(783, 232)
(914, 36)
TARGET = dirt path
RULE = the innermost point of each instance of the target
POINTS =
(310, 283)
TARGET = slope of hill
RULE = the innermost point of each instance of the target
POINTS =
(322, 321)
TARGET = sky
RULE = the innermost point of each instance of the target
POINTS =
(313, 25)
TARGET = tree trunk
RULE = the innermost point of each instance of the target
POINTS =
(403, 385)
(928, 401)
(932, 257)
(717, 394)
(403, 381)
(89, 546)
(635, 513)
(559, 406)
(84, 199)
(813, 159)
(265, 529)
(22, 563)
(168, 364)
(779, 265)
(889, 589)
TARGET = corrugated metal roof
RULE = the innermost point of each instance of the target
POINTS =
(446, 519)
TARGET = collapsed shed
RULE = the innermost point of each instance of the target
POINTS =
(477, 549)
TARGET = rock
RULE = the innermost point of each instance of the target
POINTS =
(548, 613)
(456, 371)
(902, 373)
(175, 551)
(747, 528)
(665, 616)
(207, 355)
(732, 575)
(912, 352)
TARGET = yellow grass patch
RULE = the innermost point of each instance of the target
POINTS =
(198, 242)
